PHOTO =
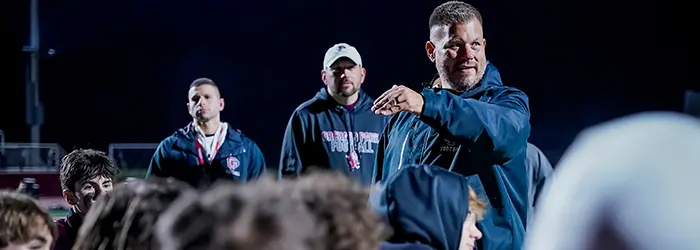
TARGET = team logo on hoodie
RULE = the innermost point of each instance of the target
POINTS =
(232, 163)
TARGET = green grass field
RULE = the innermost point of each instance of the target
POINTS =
(58, 213)
(136, 173)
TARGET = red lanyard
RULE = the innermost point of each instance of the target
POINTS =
(214, 150)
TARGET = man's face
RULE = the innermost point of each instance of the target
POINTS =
(459, 53)
(86, 192)
(344, 77)
(470, 233)
(205, 102)
(41, 239)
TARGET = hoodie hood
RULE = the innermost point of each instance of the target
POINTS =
(424, 204)
(363, 100)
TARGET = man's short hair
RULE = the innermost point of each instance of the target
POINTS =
(203, 81)
(84, 164)
(453, 12)
(341, 206)
(257, 215)
(20, 216)
(125, 217)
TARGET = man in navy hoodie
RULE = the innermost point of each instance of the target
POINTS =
(470, 124)
(207, 149)
(336, 129)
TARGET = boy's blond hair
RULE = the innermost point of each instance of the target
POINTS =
(476, 205)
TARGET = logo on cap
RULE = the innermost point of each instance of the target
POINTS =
(341, 48)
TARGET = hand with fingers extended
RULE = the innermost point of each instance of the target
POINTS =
(397, 99)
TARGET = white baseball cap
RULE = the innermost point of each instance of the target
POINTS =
(339, 51)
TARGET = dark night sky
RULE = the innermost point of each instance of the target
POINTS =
(122, 68)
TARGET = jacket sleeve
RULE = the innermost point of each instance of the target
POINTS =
(257, 163)
(500, 127)
(292, 144)
(156, 168)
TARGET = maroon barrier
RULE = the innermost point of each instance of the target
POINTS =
(49, 185)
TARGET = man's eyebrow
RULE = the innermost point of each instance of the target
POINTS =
(454, 39)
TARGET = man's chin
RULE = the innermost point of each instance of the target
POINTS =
(348, 93)
(463, 82)
(201, 118)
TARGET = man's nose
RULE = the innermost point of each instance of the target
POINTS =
(476, 233)
(466, 53)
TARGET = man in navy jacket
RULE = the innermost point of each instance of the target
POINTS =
(470, 124)
(337, 128)
(207, 149)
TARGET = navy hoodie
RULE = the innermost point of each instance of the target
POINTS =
(425, 205)
(238, 159)
(322, 133)
(481, 132)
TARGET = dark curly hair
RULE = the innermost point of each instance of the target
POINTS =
(256, 215)
(341, 207)
(125, 217)
(84, 164)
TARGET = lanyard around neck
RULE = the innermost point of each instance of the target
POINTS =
(217, 145)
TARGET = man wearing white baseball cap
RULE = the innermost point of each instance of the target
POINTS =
(336, 129)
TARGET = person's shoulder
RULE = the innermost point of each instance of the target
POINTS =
(170, 140)
(503, 91)
(238, 134)
(62, 227)
(309, 108)
(62, 222)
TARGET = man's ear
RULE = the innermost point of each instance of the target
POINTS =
(363, 73)
(221, 104)
(430, 50)
(69, 196)
(324, 77)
